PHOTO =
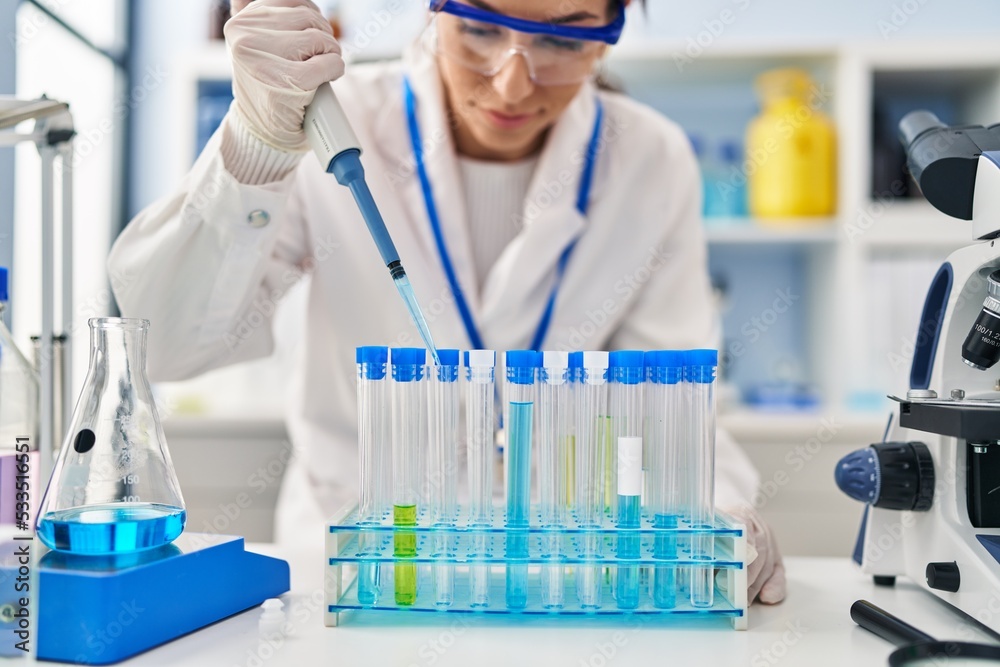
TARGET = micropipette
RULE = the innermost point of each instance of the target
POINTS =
(339, 152)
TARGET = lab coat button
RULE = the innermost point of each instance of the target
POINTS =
(258, 218)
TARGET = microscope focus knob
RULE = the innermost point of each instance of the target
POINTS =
(890, 475)
(944, 576)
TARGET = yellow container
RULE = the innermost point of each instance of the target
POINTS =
(791, 150)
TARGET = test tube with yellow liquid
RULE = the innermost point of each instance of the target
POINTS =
(408, 428)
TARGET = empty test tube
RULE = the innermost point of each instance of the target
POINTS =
(664, 372)
(572, 377)
(591, 415)
(409, 407)
(373, 446)
(554, 435)
(442, 469)
(699, 375)
(519, 408)
(480, 386)
(627, 371)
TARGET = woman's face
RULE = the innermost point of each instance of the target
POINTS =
(506, 116)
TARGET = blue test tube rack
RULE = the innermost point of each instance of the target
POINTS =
(344, 555)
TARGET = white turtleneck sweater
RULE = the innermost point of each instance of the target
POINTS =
(494, 200)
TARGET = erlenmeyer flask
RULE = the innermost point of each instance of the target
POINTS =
(113, 489)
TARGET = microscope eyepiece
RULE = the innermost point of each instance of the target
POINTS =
(981, 349)
(916, 123)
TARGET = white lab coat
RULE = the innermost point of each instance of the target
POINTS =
(208, 280)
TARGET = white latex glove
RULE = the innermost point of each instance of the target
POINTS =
(282, 51)
(766, 570)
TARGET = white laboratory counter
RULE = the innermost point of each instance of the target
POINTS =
(811, 627)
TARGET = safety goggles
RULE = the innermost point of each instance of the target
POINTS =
(484, 41)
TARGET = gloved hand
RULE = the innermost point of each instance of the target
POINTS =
(282, 51)
(766, 570)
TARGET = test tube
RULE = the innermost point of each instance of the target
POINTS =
(480, 387)
(664, 372)
(572, 378)
(591, 414)
(408, 423)
(554, 437)
(373, 444)
(442, 469)
(699, 373)
(627, 374)
(519, 413)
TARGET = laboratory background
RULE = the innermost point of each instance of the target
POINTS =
(819, 295)
(820, 312)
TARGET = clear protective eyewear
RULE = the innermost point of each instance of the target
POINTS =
(484, 41)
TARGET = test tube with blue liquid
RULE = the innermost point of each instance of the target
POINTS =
(373, 445)
(591, 415)
(667, 474)
(519, 420)
(554, 435)
(409, 408)
(480, 386)
(627, 375)
(699, 374)
(442, 470)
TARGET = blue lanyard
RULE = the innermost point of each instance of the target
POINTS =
(582, 202)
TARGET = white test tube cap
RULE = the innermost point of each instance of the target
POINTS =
(479, 365)
(595, 363)
(272, 618)
(555, 363)
(480, 358)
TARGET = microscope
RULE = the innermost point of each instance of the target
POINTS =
(932, 487)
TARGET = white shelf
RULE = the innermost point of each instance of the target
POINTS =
(793, 231)
(750, 426)
(906, 225)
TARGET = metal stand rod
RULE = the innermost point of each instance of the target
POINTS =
(46, 438)
(66, 250)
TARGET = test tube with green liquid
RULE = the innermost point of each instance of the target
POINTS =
(408, 426)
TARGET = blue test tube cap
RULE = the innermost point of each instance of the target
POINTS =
(522, 365)
(372, 359)
(700, 365)
(575, 364)
(4, 295)
(650, 360)
(448, 370)
(672, 362)
(627, 366)
(408, 363)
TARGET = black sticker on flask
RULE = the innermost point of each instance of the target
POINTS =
(84, 442)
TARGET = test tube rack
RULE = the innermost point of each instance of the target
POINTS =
(344, 555)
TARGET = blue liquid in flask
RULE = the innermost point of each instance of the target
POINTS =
(114, 528)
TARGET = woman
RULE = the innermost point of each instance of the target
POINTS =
(506, 180)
